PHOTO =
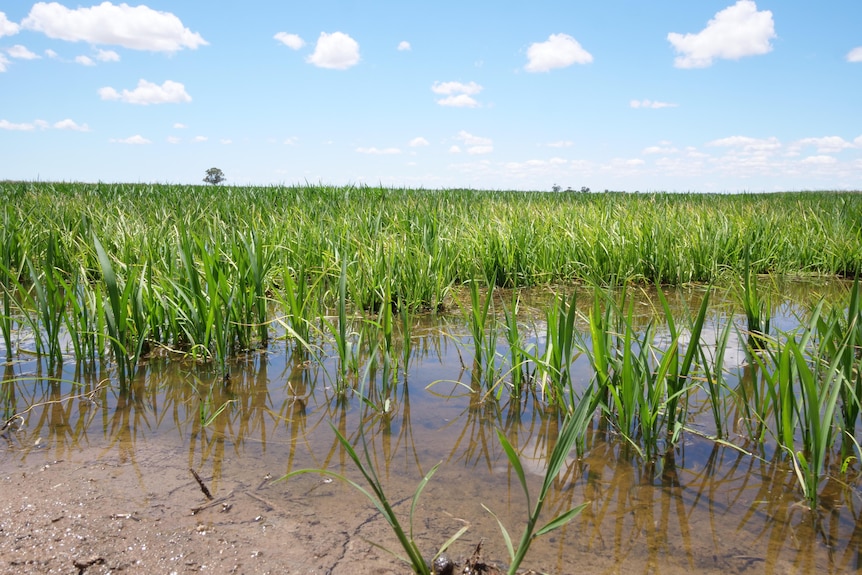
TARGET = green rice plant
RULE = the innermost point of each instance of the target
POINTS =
(483, 331)
(339, 331)
(49, 305)
(573, 428)
(840, 337)
(518, 355)
(378, 498)
(126, 345)
(679, 374)
(10, 258)
(757, 309)
(714, 380)
(640, 384)
(297, 299)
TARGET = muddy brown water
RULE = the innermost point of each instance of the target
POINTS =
(91, 461)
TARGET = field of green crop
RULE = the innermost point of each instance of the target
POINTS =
(98, 273)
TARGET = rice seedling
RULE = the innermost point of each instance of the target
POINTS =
(573, 428)
(377, 497)
(757, 308)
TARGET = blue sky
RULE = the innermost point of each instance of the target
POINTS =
(674, 95)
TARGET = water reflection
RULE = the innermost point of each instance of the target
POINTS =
(705, 506)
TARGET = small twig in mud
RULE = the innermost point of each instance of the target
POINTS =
(214, 503)
(200, 481)
(82, 564)
(89, 395)
(268, 506)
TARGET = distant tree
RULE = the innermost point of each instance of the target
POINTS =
(556, 188)
(214, 176)
(585, 190)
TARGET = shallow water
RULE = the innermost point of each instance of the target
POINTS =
(706, 507)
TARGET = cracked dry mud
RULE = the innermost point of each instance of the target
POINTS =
(79, 517)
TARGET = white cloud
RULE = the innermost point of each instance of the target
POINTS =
(659, 150)
(747, 144)
(416, 142)
(149, 93)
(226, 141)
(84, 60)
(558, 51)
(855, 55)
(292, 41)
(179, 126)
(403, 46)
(735, 32)
(42, 124)
(7, 28)
(50, 53)
(137, 139)
(475, 144)
(378, 152)
(821, 160)
(173, 140)
(21, 52)
(69, 124)
(448, 88)
(107, 56)
(7, 125)
(651, 104)
(199, 139)
(455, 149)
(826, 145)
(4, 63)
(134, 27)
(336, 51)
(635, 162)
(459, 95)
(459, 101)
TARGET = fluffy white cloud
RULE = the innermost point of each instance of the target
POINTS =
(7, 28)
(4, 63)
(336, 51)
(378, 151)
(134, 27)
(50, 53)
(137, 139)
(475, 144)
(149, 93)
(735, 32)
(827, 144)
(820, 160)
(107, 56)
(458, 95)
(855, 55)
(558, 51)
(179, 126)
(84, 61)
(651, 104)
(403, 46)
(21, 52)
(447, 88)
(659, 150)
(417, 142)
(69, 124)
(459, 101)
(747, 144)
(292, 41)
(7, 125)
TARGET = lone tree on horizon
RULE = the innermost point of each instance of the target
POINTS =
(214, 176)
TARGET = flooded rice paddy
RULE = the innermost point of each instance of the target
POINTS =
(729, 506)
